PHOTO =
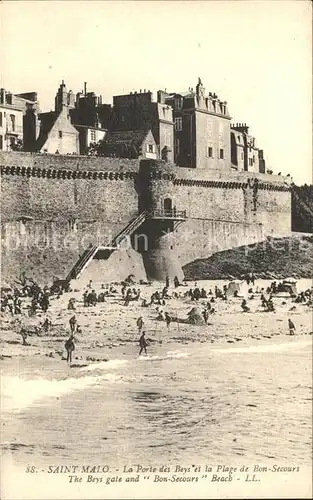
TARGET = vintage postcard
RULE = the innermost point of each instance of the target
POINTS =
(156, 249)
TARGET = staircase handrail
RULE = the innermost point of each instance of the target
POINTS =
(85, 257)
(129, 228)
(81, 262)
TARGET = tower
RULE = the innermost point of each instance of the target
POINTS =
(64, 98)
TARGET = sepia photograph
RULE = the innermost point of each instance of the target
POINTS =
(156, 249)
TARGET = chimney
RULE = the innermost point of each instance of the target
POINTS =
(2, 97)
(85, 88)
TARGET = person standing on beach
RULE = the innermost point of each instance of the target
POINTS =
(72, 323)
(140, 323)
(168, 319)
(205, 315)
(69, 346)
(23, 332)
(44, 302)
(142, 343)
(291, 327)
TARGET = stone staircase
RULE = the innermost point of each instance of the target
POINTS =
(106, 250)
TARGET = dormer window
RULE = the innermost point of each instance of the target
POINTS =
(178, 103)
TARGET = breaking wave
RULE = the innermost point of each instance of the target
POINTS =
(169, 355)
(113, 364)
(18, 393)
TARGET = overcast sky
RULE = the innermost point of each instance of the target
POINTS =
(256, 55)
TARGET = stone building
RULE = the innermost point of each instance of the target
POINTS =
(245, 155)
(79, 207)
(190, 129)
(137, 111)
(202, 128)
(17, 124)
(77, 123)
(91, 118)
(57, 134)
(130, 144)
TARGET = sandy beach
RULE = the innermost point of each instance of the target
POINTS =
(238, 387)
(109, 329)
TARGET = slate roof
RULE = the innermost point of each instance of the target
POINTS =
(47, 120)
(135, 137)
(126, 143)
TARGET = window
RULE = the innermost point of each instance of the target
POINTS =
(178, 123)
(93, 135)
(0, 119)
(150, 148)
(12, 117)
(1, 142)
(177, 147)
(242, 156)
(221, 154)
(250, 162)
(178, 103)
(210, 152)
(60, 134)
(167, 204)
(253, 160)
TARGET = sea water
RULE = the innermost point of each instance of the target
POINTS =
(200, 403)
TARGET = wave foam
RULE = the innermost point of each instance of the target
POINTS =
(112, 364)
(18, 394)
(169, 355)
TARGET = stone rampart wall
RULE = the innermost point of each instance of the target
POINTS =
(49, 216)
(54, 206)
